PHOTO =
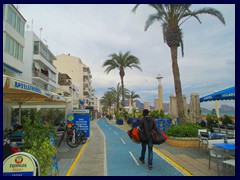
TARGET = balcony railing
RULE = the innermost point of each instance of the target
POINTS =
(40, 75)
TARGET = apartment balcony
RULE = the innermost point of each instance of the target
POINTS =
(39, 76)
(63, 82)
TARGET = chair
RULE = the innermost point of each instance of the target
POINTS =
(229, 161)
(230, 132)
(222, 129)
(215, 128)
(215, 152)
(203, 137)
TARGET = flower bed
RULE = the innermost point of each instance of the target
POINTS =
(185, 142)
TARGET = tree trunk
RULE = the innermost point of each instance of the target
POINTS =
(123, 99)
(177, 84)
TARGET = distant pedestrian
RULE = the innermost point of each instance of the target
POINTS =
(147, 125)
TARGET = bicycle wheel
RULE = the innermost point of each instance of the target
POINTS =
(83, 137)
(71, 143)
(62, 137)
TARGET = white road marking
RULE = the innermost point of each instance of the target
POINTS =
(115, 132)
(123, 141)
(134, 158)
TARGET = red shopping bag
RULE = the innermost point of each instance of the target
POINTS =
(165, 136)
(134, 135)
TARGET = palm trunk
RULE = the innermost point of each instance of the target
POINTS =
(117, 105)
(123, 99)
(177, 84)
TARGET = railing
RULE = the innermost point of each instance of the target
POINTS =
(41, 75)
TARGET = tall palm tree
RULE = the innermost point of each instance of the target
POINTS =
(117, 93)
(107, 100)
(131, 96)
(172, 16)
(121, 62)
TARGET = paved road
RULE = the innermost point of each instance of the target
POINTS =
(122, 155)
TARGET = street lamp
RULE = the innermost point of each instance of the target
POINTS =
(160, 94)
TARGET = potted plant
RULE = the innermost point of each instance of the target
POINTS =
(37, 133)
(183, 135)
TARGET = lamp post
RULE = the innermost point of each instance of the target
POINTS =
(160, 94)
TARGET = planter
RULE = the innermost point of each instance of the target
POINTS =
(184, 142)
(120, 121)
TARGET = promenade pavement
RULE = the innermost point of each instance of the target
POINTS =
(88, 159)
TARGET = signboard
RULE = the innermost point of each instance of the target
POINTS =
(80, 118)
(21, 164)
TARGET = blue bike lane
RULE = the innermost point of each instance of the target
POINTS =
(122, 155)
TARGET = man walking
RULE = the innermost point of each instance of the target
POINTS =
(147, 125)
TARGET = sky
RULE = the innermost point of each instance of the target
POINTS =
(93, 32)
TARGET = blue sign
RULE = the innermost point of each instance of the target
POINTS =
(29, 87)
(18, 173)
(81, 118)
(81, 102)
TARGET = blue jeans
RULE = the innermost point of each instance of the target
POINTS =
(150, 151)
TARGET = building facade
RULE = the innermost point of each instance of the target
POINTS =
(80, 74)
(13, 41)
(39, 68)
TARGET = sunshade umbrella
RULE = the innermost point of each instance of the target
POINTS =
(17, 90)
(226, 94)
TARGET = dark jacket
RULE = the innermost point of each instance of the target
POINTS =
(147, 125)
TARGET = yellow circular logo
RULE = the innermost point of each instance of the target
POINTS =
(70, 117)
(18, 159)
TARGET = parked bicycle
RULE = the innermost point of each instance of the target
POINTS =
(74, 136)
(9, 147)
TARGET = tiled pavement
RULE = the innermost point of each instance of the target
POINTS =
(90, 160)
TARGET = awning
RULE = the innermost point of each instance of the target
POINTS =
(12, 69)
(226, 94)
(4, 80)
(58, 98)
(17, 90)
(37, 66)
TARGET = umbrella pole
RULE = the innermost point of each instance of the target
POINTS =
(20, 112)
(217, 110)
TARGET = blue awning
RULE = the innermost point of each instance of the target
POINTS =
(226, 94)
(12, 69)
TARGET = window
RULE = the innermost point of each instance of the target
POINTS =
(15, 21)
(13, 48)
(36, 47)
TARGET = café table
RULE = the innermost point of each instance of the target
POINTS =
(227, 146)
(217, 135)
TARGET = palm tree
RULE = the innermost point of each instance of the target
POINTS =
(131, 96)
(172, 16)
(121, 62)
(107, 100)
(117, 93)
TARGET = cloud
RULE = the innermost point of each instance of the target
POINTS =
(94, 31)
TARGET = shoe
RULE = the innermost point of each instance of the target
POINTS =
(150, 167)
(142, 161)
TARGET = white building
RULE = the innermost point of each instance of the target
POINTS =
(13, 41)
(39, 68)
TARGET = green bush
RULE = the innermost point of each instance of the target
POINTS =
(158, 114)
(226, 120)
(37, 141)
(186, 130)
